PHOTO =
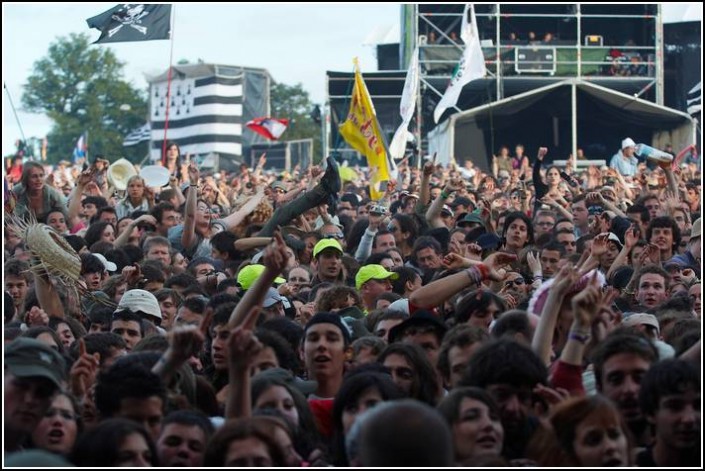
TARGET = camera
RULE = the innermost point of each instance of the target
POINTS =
(378, 209)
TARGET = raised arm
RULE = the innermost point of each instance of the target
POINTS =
(542, 342)
(274, 260)
(243, 348)
(188, 237)
(48, 297)
(238, 216)
(473, 273)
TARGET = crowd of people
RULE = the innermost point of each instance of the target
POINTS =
(527, 315)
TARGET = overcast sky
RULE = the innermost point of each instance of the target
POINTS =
(295, 42)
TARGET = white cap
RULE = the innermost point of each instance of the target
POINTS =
(628, 143)
(400, 305)
(110, 266)
(140, 300)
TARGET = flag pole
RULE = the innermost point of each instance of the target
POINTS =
(168, 84)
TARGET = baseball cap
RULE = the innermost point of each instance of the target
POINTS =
(697, 229)
(26, 357)
(329, 318)
(326, 244)
(109, 266)
(641, 319)
(285, 376)
(613, 238)
(446, 210)
(278, 186)
(271, 298)
(473, 217)
(628, 142)
(140, 300)
(419, 318)
(373, 272)
(249, 274)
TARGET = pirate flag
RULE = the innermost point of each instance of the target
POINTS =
(133, 22)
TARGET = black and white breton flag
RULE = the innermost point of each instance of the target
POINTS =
(205, 115)
(141, 134)
(694, 99)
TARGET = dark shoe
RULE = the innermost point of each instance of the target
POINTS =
(331, 179)
(332, 204)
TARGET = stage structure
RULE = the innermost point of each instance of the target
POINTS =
(527, 47)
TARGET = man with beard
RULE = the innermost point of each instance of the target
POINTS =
(510, 372)
(620, 362)
(670, 400)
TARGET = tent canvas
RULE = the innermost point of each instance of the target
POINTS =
(543, 117)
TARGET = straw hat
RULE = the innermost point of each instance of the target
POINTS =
(52, 254)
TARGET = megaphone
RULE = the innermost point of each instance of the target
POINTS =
(120, 172)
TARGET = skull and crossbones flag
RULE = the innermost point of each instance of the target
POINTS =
(133, 22)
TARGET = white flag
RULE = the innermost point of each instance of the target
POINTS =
(470, 67)
(205, 114)
(141, 134)
(406, 107)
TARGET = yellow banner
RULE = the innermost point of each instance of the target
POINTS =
(361, 130)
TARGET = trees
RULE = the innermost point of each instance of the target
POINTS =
(81, 89)
(294, 103)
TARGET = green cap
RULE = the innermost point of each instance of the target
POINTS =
(373, 272)
(327, 244)
(249, 274)
(26, 357)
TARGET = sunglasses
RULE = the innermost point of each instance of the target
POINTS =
(338, 235)
(515, 282)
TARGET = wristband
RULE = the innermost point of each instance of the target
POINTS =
(474, 274)
(580, 336)
(484, 271)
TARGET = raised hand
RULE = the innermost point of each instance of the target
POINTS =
(453, 261)
(243, 346)
(565, 279)
(474, 252)
(84, 371)
(599, 245)
(586, 304)
(187, 341)
(276, 256)
(132, 274)
(374, 220)
(534, 264)
(496, 262)
(542, 153)
(631, 237)
(193, 173)
(36, 317)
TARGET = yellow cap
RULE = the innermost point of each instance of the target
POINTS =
(249, 274)
(373, 272)
(327, 244)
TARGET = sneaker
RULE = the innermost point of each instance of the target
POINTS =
(331, 179)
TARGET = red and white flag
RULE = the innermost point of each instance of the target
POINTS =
(271, 128)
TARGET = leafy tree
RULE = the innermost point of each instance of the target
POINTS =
(80, 87)
(294, 103)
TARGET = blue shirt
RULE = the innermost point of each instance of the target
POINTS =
(626, 167)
